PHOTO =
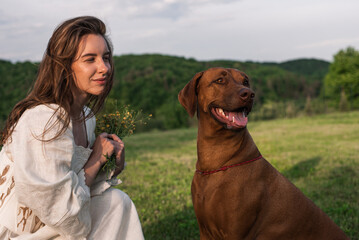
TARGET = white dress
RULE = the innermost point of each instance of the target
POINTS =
(43, 194)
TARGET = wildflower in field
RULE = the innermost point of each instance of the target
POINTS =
(122, 123)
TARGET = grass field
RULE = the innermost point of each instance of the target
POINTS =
(319, 154)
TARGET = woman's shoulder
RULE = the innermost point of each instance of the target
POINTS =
(43, 111)
(41, 115)
(38, 121)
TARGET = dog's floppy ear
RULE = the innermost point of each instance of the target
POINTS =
(188, 95)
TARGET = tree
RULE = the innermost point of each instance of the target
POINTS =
(343, 104)
(343, 76)
(308, 106)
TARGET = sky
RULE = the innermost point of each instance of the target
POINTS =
(243, 30)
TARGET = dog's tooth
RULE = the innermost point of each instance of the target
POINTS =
(232, 118)
(222, 112)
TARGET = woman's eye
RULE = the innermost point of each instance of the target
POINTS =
(90, 60)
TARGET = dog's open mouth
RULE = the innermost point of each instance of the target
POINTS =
(233, 120)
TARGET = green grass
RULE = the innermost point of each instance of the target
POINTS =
(319, 154)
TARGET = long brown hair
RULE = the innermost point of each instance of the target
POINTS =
(55, 81)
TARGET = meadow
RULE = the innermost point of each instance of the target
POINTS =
(319, 154)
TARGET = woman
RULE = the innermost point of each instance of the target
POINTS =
(51, 186)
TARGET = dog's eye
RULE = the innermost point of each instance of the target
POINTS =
(246, 83)
(219, 80)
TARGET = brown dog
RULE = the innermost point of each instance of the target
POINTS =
(236, 193)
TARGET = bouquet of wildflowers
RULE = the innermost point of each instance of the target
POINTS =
(122, 123)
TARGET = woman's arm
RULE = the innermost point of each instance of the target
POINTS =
(44, 179)
(102, 180)
(105, 145)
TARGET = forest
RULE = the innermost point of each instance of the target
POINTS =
(151, 82)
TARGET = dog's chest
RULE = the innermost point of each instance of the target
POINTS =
(210, 192)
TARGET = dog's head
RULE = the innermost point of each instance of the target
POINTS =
(224, 93)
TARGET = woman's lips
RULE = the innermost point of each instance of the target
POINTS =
(100, 80)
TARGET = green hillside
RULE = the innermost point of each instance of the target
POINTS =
(152, 82)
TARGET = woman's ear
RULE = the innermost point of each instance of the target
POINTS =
(188, 95)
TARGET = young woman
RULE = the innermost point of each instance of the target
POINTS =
(51, 186)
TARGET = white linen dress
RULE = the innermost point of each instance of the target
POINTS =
(43, 194)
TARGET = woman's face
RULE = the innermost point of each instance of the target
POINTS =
(91, 66)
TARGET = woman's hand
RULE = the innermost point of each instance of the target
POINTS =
(119, 151)
(105, 145)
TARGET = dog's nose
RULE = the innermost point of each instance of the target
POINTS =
(246, 94)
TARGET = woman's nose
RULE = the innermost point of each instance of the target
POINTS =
(103, 67)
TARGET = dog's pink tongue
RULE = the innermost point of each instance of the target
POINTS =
(238, 119)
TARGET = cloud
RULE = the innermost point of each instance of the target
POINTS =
(204, 29)
(168, 9)
(332, 42)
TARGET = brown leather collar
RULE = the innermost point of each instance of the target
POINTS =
(227, 167)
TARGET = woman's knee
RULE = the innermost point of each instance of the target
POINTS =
(120, 196)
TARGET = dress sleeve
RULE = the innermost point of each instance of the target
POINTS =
(102, 181)
(44, 180)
